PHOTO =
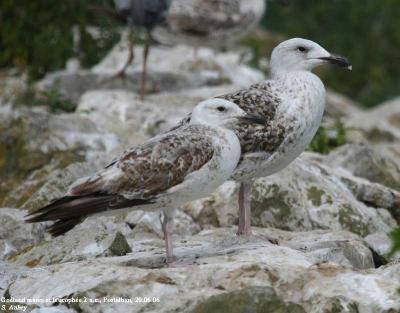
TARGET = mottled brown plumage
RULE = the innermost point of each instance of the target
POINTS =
(258, 99)
(262, 100)
(138, 177)
(209, 22)
(152, 168)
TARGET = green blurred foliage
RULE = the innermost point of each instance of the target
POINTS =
(52, 99)
(367, 32)
(396, 241)
(37, 35)
(328, 138)
(55, 101)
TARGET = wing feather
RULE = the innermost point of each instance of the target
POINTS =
(152, 168)
(137, 178)
(263, 100)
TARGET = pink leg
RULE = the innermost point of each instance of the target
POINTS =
(245, 214)
(244, 210)
(166, 226)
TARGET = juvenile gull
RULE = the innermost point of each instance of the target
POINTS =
(292, 103)
(163, 173)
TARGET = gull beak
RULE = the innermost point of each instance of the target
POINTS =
(338, 60)
(253, 119)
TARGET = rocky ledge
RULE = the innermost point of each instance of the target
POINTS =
(215, 271)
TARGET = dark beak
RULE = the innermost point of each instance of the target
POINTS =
(338, 60)
(253, 119)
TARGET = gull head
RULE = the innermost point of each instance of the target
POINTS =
(299, 54)
(222, 113)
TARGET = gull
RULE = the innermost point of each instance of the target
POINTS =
(292, 102)
(165, 172)
(209, 22)
(146, 14)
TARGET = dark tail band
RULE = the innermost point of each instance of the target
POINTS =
(69, 211)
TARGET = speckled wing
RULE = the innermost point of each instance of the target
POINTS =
(152, 168)
(135, 179)
(259, 99)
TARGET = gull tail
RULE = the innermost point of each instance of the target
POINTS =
(69, 211)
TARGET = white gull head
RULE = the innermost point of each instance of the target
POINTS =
(299, 54)
(222, 113)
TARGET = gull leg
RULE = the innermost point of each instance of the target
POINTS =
(166, 226)
(121, 74)
(131, 55)
(146, 50)
(244, 210)
(245, 214)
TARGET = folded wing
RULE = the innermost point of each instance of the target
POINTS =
(139, 177)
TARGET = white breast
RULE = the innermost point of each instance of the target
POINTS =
(219, 169)
(301, 112)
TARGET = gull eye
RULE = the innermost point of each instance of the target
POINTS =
(221, 109)
(301, 49)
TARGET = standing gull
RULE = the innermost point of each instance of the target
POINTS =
(292, 103)
(146, 14)
(165, 172)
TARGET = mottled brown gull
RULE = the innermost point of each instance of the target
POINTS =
(292, 102)
(163, 173)
(209, 22)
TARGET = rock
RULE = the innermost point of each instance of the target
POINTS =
(219, 209)
(286, 277)
(381, 244)
(8, 274)
(77, 244)
(371, 193)
(148, 225)
(310, 195)
(306, 195)
(378, 125)
(254, 299)
(11, 85)
(339, 247)
(366, 162)
(33, 143)
(15, 234)
(119, 246)
(108, 235)
(338, 105)
(134, 121)
(169, 69)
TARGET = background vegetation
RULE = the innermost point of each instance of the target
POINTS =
(37, 36)
(367, 32)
